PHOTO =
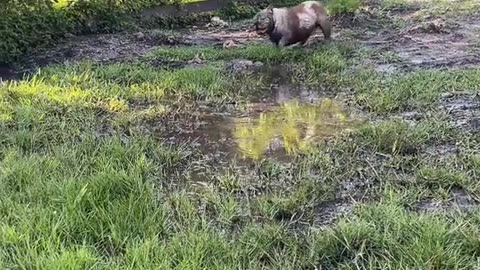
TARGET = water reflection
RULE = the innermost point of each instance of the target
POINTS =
(292, 127)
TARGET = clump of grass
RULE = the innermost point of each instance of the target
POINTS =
(398, 137)
(472, 161)
(331, 60)
(339, 7)
(392, 4)
(379, 234)
(444, 177)
(417, 91)
(236, 11)
(263, 53)
(458, 170)
(115, 86)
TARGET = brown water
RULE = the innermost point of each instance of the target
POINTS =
(291, 121)
(289, 129)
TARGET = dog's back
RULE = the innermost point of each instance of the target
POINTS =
(297, 23)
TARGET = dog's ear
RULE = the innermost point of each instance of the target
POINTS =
(270, 9)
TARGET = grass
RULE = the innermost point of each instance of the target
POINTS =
(79, 192)
(262, 53)
(87, 180)
(415, 91)
(429, 8)
(396, 136)
(59, 4)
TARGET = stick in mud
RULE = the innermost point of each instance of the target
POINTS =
(293, 25)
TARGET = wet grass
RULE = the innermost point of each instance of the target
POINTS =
(85, 185)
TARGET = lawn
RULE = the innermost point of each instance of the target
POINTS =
(99, 169)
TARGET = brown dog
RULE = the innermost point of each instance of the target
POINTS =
(288, 26)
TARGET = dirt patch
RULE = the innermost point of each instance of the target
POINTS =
(464, 110)
(437, 44)
(442, 152)
(240, 34)
(459, 200)
(328, 212)
(104, 48)
(127, 46)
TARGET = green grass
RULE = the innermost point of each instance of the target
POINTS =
(399, 137)
(341, 7)
(70, 200)
(262, 53)
(88, 182)
(428, 8)
(417, 91)
(386, 236)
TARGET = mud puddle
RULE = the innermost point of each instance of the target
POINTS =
(286, 121)
(291, 128)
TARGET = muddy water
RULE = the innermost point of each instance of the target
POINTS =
(289, 129)
(287, 121)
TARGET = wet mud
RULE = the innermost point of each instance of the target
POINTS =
(278, 124)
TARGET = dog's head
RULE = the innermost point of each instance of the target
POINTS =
(264, 20)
